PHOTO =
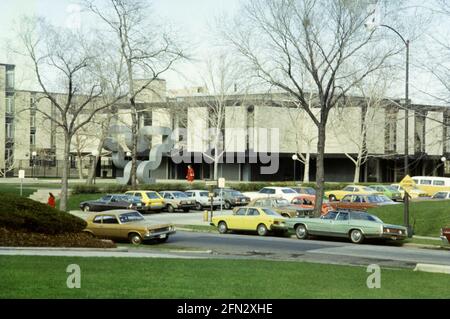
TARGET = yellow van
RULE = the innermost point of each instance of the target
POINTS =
(432, 184)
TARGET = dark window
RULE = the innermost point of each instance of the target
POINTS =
(110, 220)
(98, 219)
(342, 216)
(252, 212)
(241, 211)
(330, 215)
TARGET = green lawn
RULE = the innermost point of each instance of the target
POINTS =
(45, 277)
(427, 217)
(27, 190)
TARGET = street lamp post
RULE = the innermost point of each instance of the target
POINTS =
(406, 42)
(294, 158)
(33, 159)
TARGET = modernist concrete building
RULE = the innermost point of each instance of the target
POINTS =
(258, 130)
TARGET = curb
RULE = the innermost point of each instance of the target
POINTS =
(65, 249)
(443, 269)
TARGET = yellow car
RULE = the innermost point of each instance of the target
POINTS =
(362, 190)
(150, 199)
(415, 193)
(259, 219)
(123, 224)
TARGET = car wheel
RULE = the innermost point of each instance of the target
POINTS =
(301, 232)
(223, 228)
(135, 238)
(332, 198)
(262, 230)
(170, 208)
(198, 206)
(227, 205)
(86, 208)
(356, 236)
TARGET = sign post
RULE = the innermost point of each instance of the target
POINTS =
(221, 184)
(21, 177)
(407, 183)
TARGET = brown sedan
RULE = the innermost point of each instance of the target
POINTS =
(361, 202)
(127, 224)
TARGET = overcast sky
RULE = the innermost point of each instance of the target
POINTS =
(194, 17)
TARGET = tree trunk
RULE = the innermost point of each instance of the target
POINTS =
(357, 172)
(306, 172)
(80, 166)
(320, 172)
(65, 173)
(134, 138)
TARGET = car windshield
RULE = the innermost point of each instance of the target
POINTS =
(270, 212)
(365, 216)
(203, 194)
(152, 195)
(130, 217)
(391, 188)
(440, 195)
(179, 195)
(310, 191)
(368, 189)
(235, 193)
(281, 202)
(288, 191)
(127, 198)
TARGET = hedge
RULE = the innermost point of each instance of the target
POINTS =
(23, 214)
(242, 186)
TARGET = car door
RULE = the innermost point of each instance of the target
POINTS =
(96, 226)
(252, 219)
(237, 220)
(103, 203)
(341, 225)
(110, 227)
(325, 226)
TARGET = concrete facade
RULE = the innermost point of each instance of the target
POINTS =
(256, 124)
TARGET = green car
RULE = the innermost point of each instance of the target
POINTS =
(355, 225)
(388, 191)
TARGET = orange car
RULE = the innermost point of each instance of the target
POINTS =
(308, 201)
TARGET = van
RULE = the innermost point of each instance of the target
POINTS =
(432, 184)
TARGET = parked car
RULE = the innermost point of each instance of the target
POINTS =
(202, 199)
(445, 235)
(415, 193)
(285, 192)
(282, 206)
(113, 201)
(362, 202)
(355, 225)
(335, 195)
(150, 199)
(127, 224)
(441, 195)
(259, 219)
(177, 200)
(388, 191)
(309, 201)
(231, 197)
(304, 190)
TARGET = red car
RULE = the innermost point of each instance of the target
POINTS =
(445, 235)
(308, 201)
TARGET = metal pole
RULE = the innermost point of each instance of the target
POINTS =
(294, 172)
(407, 108)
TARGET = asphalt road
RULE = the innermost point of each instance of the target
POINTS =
(336, 252)
(238, 245)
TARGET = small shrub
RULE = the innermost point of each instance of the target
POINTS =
(116, 189)
(19, 213)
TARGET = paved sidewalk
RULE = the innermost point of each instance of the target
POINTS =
(86, 252)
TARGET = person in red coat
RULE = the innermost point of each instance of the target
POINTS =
(51, 200)
(190, 174)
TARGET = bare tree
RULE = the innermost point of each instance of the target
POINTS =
(9, 165)
(146, 50)
(289, 43)
(61, 64)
